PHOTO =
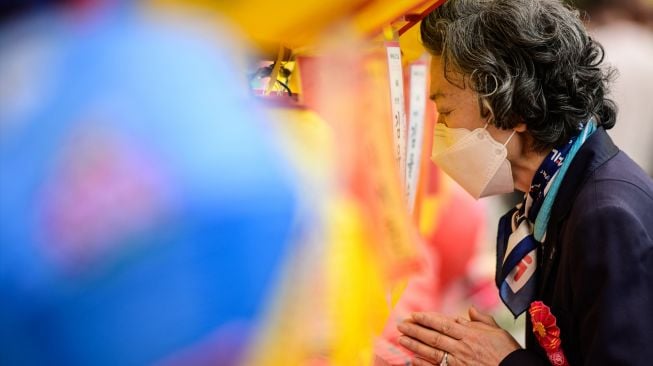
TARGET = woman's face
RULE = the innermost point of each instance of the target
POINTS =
(459, 107)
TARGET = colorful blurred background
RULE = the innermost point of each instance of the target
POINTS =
(238, 182)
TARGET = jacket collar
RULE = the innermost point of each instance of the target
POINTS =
(598, 149)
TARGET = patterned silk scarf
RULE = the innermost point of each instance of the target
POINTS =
(523, 228)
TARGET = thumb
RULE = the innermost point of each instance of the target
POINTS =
(475, 315)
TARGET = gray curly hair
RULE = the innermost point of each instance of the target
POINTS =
(530, 61)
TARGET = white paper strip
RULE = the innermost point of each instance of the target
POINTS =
(417, 108)
(396, 77)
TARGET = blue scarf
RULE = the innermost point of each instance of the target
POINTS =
(523, 228)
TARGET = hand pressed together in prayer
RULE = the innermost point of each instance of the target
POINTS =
(440, 340)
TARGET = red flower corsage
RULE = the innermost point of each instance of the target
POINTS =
(547, 333)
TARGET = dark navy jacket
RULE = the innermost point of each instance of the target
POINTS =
(597, 262)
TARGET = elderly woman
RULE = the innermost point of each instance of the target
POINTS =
(521, 95)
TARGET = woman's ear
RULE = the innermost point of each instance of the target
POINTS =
(520, 127)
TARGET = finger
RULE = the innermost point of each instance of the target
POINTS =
(429, 336)
(420, 349)
(476, 315)
(441, 323)
(452, 361)
(418, 361)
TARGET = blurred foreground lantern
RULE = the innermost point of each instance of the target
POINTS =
(144, 212)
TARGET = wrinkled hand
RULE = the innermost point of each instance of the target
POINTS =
(478, 341)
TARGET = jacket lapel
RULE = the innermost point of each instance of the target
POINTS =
(597, 150)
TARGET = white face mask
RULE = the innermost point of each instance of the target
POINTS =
(473, 159)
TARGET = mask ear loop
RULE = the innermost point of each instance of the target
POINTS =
(510, 138)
